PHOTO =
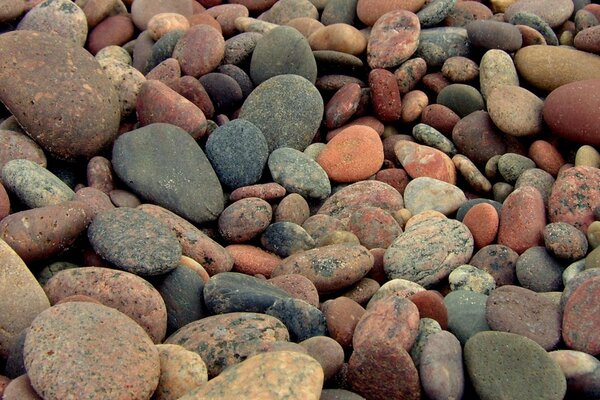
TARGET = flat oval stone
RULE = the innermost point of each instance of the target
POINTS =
(425, 161)
(436, 45)
(272, 375)
(515, 110)
(548, 67)
(61, 17)
(580, 316)
(499, 261)
(281, 51)
(239, 48)
(128, 293)
(424, 194)
(162, 176)
(435, 12)
(468, 277)
(565, 241)
(587, 40)
(200, 50)
(460, 98)
(134, 241)
(244, 219)
(393, 39)
(286, 121)
(252, 260)
(573, 197)
(144, 10)
(441, 367)
(490, 34)
(482, 220)
(477, 137)
(539, 271)
(298, 286)
(238, 152)
(495, 358)
(369, 11)
(302, 320)
(74, 132)
(466, 313)
(342, 105)
(537, 23)
(385, 95)
(570, 113)
(229, 292)
(374, 227)
(92, 350)
(524, 312)
(15, 145)
(496, 69)
(554, 12)
(339, 37)
(428, 251)
(115, 30)
(34, 185)
(224, 91)
(581, 370)
(40, 233)
(299, 173)
(22, 300)
(227, 339)
(181, 371)
(330, 268)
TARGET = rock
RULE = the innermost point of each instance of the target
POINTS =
(23, 298)
(393, 39)
(83, 130)
(554, 12)
(548, 67)
(200, 50)
(374, 227)
(587, 40)
(460, 69)
(292, 208)
(512, 165)
(483, 221)
(435, 12)
(282, 51)
(128, 293)
(424, 194)
(385, 94)
(134, 241)
(436, 45)
(115, 30)
(369, 11)
(330, 268)
(537, 178)
(428, 251)
(499, 261)
(44, 232)
(581, 371)
(523, 219)
(572, 197)
(342, 315)
(286, 238)
(239, 48)
(61, 17)
(302, 320)
(565, 241)
(34, 185)
(537, 270)
(490, 34)
(16, 145)
(224, 91)
(327, 352)
(352, 155)
(460, 98)
(526, 313)
(477, 137)
(468, 277)
(20, 389)
(11, 10)
(163, 23)
(229, 292)
(580, 318)
(340, 37)
(181, 371)
(127, 81)
(285, 10)
(537, 23)
(462, 14)
(422, 161)
(144, 10)
(496, 69)
(466, 313)
(197, 197)
(441, 367)
(339, 11)
(494, 358)
(298, 173)
(285, 121)
(92, 350)
(265, 191)
(269, 376)
(516, 111)
(228, 339)
(297, 286)
(245, 219)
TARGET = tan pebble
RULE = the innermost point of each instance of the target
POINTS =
(413, 104)
(593, 234)
(422, 216)
(337, 237)
(566, 38)
(491, 167)
(500, 6)
(587, 156)
(247, 24)
(305, 25)
(181, 370)
(460, 69)
(472, 175)
(338, 37)
(204, 19)
(163, 23)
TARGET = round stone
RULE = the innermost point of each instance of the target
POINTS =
(490, 34)
(565, 241)
(245, 219)
(92, 350)
(537, 270)
(144, 10)
(299, 173)
(61, 17)
(580, 317)
(181, 371)
(515, 110)
(460, 98)
(427, 194)
(393, 39)
(466, 313)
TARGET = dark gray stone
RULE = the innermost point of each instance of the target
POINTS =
(240, 76)
(435, 12)
(224, 91)
(134, 241)
(436, 45)
(490, 34)
(239, 48)
(302, 320)
(286, 238)
(281, 51)
(238, 152)
(460, 98)
(339, 11)
(466, 313)
(537, 270)
(288, 110)
(163, 164)
(162, 49)
(229, 292)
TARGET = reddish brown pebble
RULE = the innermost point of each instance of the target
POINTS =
(200, 50)
(342, 105)
(374, 227)
(14, 145)
(477, 137)
(413, 105)
(377, 273)
(499, 261)
(393, 39)
(530, 36)
(580, 318)
(369, 11)
(523, 219)
(20, 389)
(385, 95)
(265, 191)
(546, 156)
(156, 102)
(245, 219)
(100, 174)
(191, 88)
(327, 352)
(353, 155)
(368, 120)
(395, 177)
(252, 260)
(204, 19)
(467, 11)
(482, 220)
(226, 14)
(431, 305)
(424, 161)
(298, 287)
(588, 40)
(362, 291)
(342, 315)
(435, 81)
(4, 203)
(113, 31)
(167, 72)
(292, 208)
(440, 117)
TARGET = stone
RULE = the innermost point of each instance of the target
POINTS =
(494, 358)
(477, 137)
(524, 312)
(441, 367)
(252, 260)
(515, 110)
(330, 268)
(302, 320)
(16, 145)
(421, 161)
(534, 21)
(224, 91)
(239, 48)
(134, 241)
(340, 37)
(230, 292)
(468, 277)
(228, 339)
(151, 174)
(499, 261)
(460, 98)
(554, 12)
(428, 251)
(462, 14)
(483, 221)
(374, 227)
(265, 191)
(342, 315)
(565, 241)
(115, 30)
(298, 173)
(297, 286)
(490, 34)
(435, 12)
(496, 69)
(369, 11)
(339, 11)
(283, 11)
(587, 40)
(537, 178)
(286, 238)
(127, 81)
(393, 39)
(67, 133)
(537, 270)
(292, 208)
(144, 10)
(285, 121)
(327, 352)
(20, 389)
(466, 313)
(244, 219)
(580, 318)
(385, 95)
(581, 371)
(436, 45)
(61, 17)
(460, 69)
(128, 293)
(200, 50)
(181, 371)
(269, 376)
(92, 350)
(424, 194)
(282, 51)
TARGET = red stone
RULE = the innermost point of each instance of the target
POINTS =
(342, 315)
(424, 161)
(252, 260)
(581, 318)
(482, 220)
(112, 31)
(200, 50)
(393, 39)
(546, 156)
(342, 105)
(431, 305)
(385, 95)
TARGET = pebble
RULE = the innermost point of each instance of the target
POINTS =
(200, 50)
(427, 327)
(581, 371)
(393, 39)
(539, 271)
(327, 352)
(297, 286)
(537, 23)
(483, 221)
(593, 234)
(339, 37)
(306, 26)
(427, 252)
(92, 350)
(239, 48)
(61, 17)
(436, 45)
(433, 138)
(490, 34)
(342, 315)
(144, 10)
(435, 12)
(515, 110)
(286, 238)
(512, 165)
(17, 145)
(269, 376)
(580, 317)
(20, 389)
(181, 371)
(425, 194)
(460, 98)
(421, 161)
(244, 219)
(496, 69)
(553, 12)
(228, 339)
(441, 367)
(374, 227)
(546, 156)
(468, 277)
(431, 305)
(385, 95)
(586, 156)
(409, 73)
(494, 358)
(466, 313)
(115, 30)
(565, 241)
(460, 69)
(463, 13)
(283, 11)
(126, 292)
(369, 11)
(303, 320)
(161, 24)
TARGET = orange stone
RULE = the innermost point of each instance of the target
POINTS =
(482, 220)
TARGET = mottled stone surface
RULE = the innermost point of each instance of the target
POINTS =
(92, 350)
(441, 367)
(181, 371)
(302, 319)
(393, 39)
(580, 317)
(425, 194)
(466, 313)
(299, 173)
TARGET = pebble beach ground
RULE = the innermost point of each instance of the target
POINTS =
(299, 199)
